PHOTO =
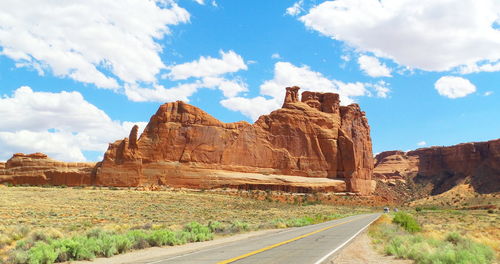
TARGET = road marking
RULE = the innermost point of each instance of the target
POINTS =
(285, 242)
(208, 248)
(343, 244)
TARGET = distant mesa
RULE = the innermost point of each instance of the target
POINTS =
(310, 144)
(436, 170)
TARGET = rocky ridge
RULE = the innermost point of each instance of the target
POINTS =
(310, 144)
(311, 138)
(38, 169)
(434, 170)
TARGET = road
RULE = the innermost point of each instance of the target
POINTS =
(313, 244)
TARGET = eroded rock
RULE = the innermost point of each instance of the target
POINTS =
(184, 146)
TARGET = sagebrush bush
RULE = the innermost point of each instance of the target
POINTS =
(407, 221)
(43, 249)
(238, 226)
(454, 249)
(42, 253)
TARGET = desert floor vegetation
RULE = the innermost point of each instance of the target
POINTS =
(51, 224)
(438, 236)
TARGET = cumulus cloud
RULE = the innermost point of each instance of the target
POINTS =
(286, 74)
(373, 67)
(454, 87)
(474, 68)
(488, 93)
(434, 35)
(295, 9)
(206, 72)
(421, 143)
(96, 42)
(208, 66)
(60, 124)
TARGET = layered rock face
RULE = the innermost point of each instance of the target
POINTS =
(309, 143)
(445, 167)
(38, 169)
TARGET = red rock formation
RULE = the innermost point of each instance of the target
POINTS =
(38, 169)
(184, 146)
(444, 167)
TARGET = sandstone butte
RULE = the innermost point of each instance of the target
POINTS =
(310, 144)
(444, 167)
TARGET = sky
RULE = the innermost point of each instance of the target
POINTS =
(77, 75)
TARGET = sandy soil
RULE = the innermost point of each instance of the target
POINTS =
(360, 251)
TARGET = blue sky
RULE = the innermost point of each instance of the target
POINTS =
(76, 76)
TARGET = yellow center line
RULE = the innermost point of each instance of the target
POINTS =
(284, 242)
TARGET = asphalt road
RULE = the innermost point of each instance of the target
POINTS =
(313, 244)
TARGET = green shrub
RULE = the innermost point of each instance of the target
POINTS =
(40, 248)
(216, 227)
(18, 256)
(238, 226)
(296, 222)
(418, 209)
(162, 237)
(199, 232)
(407, 222)
(123, 244)
(42, 253)
(138, 239)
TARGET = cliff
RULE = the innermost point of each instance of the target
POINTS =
(309, 140)
(38, 169)
(442, 168)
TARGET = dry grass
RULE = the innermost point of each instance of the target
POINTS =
(74, 211)
(71, 209)
(478, 225)
(445, 238)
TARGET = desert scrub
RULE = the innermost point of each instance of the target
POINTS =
(305, 220)
(393, 239)
(39, 249)
(406, 221)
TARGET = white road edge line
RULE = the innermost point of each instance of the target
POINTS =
(343, 244)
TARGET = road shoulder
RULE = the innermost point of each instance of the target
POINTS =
(361, 251)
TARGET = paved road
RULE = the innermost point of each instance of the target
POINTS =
(309, 244)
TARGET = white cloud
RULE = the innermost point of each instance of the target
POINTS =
(421, 143)
(158, 93)
(286, 74)
(97, 42)
(454, 87)
(208, 66)
(201, 2)
(380, 88)
(432, 35)
(251, 107)
(488, 93)
(207, 72)
(372, 66)
(296, 8)
(276, 56)
(473, 68)
(345, 58)
(60, 124)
